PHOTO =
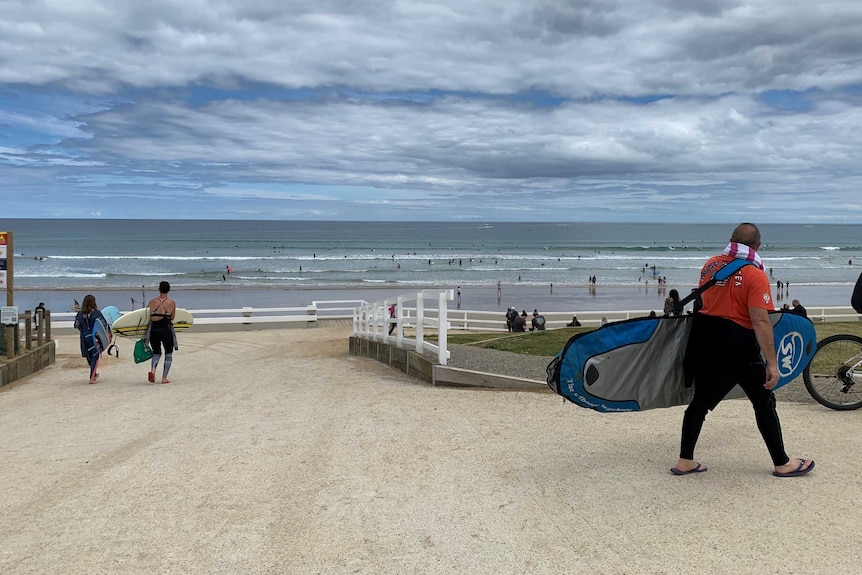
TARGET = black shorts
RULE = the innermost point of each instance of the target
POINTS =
(159, 337)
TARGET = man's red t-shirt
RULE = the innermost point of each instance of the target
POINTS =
(731, 298)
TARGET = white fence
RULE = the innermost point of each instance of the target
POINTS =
(249, 317)
(373, 321)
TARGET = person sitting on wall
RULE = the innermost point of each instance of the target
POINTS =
(799, 309)
(574, 322)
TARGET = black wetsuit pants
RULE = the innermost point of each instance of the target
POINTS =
(725, 354)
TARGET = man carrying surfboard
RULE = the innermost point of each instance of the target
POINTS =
(730, 339)
(162, 313)
(95, 334)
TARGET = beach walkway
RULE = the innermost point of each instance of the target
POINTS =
(277, 452)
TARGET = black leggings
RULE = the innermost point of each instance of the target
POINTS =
(726, 354)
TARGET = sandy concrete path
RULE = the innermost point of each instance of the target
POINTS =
(276, 452)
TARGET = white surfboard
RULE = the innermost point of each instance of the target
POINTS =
(135, 323)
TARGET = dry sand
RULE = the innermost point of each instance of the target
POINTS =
(276, 452)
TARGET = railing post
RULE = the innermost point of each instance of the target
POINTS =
(28, 329)
(441, 337)
(399, 324)
(11, 342)
(420, 322)
(40, 326)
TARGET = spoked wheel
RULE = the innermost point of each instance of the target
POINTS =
(834, 376)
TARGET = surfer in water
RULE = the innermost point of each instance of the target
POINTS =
(162, 313)
(727, 339)
(90, 344)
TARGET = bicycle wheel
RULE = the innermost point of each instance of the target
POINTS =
(834, 375)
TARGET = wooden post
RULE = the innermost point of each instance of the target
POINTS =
(28, 329)
(10, 343)
(46, 320)
(40, 326)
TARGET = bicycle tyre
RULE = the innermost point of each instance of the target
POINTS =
(822, 375)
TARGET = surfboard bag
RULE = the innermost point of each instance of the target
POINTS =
(638, 364)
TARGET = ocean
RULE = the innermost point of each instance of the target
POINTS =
(235, 263)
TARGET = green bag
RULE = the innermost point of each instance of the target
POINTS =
(143, 351)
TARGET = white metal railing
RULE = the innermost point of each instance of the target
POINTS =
(334, 309)
(373, 321)
(461, 320)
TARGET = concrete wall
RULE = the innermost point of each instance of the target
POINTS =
(28, 362)
(404, 360)
(422, 368)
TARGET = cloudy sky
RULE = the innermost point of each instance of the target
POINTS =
(489, 110)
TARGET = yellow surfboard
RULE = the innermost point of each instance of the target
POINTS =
(135, 323)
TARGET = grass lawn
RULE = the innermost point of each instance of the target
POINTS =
(550, 342)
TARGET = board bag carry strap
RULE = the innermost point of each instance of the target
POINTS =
(720, 275)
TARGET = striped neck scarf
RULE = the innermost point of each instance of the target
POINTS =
(743, 252)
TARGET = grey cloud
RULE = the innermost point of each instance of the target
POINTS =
(571, 48)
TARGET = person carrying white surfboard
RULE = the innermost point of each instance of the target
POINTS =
(161, 333)
(86, 321)
(732, 343)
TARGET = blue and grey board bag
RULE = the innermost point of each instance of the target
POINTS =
(638, 364)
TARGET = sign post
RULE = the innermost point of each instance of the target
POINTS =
(6, 257)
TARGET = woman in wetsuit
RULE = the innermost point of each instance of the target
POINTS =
(162, 312)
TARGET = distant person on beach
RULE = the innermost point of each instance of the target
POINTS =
(162, 313)
(732, 343)
(90, 345)
(77, 306)
(538, 322)
(393, 321)
(574, 322)
(511, 314)
(519, 324)
(672, 306)
(604, 320)
(799, 309)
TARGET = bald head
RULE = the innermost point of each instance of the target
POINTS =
(746, 234)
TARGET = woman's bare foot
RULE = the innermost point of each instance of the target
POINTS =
(794, 468)
(686, 466)
(165, 380)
